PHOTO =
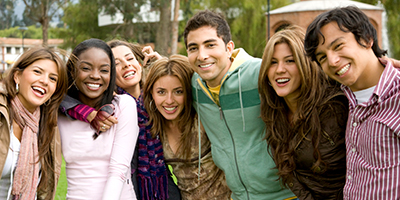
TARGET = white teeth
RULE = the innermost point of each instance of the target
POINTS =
(343, 70)
(282, 80)
(205, 66)
(95, 86)
(170, 109)
(39, 89)
(130, 74)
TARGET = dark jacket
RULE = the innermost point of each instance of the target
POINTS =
(328, 182)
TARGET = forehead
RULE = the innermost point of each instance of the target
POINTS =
(94, 54)
(202, 34)
(120, 51)
(168, 81)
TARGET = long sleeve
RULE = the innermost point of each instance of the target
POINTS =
(74, 109)
(123, 148)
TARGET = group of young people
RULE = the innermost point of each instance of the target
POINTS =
(315, 118)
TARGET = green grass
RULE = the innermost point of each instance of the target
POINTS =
(61, 191)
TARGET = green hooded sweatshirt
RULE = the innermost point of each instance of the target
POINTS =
(236, 131)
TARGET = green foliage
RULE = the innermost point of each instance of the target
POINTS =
(247, 20)
(81, 21)
(392, 8)
(33, 32)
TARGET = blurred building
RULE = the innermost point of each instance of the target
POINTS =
(11, 49)
(303, 12)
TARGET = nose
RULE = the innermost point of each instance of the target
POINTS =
(95, 74)
(280, 68)
(170, 98)
(202, 54)
(126, 64)
(333, 59)
(45, 80)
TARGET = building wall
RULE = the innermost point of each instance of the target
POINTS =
(304, 18)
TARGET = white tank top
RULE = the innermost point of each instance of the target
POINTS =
(9, 166)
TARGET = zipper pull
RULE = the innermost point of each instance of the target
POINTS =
(220, 113)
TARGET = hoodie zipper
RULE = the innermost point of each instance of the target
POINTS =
(234, 150)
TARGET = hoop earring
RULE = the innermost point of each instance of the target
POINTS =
(17, 87)
(47, 102)
(151, 106)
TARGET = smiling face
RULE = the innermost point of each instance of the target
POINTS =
(128, 68)
(343, 59)
(169, 97)
(208, 55)
(93, 75)
(283, 73)
(37, 83)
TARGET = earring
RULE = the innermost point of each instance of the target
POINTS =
(17, 87)
(151, 103)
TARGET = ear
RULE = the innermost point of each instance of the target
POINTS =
(17, 75)
(230, 46)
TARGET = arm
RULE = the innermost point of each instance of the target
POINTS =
(298, 188)
(126, 134)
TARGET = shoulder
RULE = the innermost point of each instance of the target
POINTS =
(123, 100)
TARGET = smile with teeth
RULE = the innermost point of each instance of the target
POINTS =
(343, 70)
(93, 85)
(39, 89)
(205, 66)
(129, 74)
(282, 80)
(170, 108)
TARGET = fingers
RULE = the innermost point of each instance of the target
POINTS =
(149, 54)
(107, 123)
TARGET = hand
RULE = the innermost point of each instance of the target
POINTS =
(385, 59)
(103, 119)
(149, 54)
(107, 123)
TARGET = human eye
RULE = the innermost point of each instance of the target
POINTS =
(180, 91)
(130, 58)
(290, 61)
(37, 71)
(105, 70)
(116, 62)
(53, 78)
(321, 58)
(191, 49)
(160, 92)
(336, 47)
(273, 62)
(211, 45)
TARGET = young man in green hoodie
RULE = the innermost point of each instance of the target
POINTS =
(226, 98)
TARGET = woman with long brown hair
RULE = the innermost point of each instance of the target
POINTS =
(30, 150)
(168, 100)
(305, 115)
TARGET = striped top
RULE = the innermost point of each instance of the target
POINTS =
(373, 142)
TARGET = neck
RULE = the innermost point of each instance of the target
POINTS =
(370, 76)
(134, 90)
(292, 105)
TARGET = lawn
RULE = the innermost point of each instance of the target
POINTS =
(62, 184)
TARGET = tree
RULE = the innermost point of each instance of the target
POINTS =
(392, 8)
(7, 17)
(247, 21)
(81, 23)
(42, 11)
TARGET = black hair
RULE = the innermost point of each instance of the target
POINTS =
(349, 19)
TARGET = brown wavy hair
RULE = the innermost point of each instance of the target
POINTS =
(49, 110)
(316, 89)
(179, 66)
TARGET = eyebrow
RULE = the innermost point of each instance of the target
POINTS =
(205, 42)
(92, 65)
(330, 45)
(54, 74)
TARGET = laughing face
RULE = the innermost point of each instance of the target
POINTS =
(93, 75)
(343, 59)
(37, 83)
(208, 55)
(128, 68)
(169, 97)
(283, 73)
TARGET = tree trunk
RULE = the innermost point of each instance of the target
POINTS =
(175, 28)
(163, 39)
(45, 27)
